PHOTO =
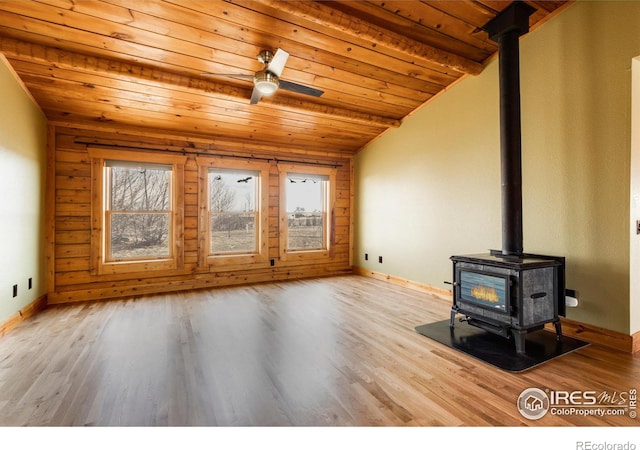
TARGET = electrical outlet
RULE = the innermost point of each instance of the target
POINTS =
(380, 259)
(366, 257)
(637, 226)
(15, 290)
(30, 283)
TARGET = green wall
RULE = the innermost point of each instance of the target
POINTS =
(22, 186)
(634, 266)
(431, 188)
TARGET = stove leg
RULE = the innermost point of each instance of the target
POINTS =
(518, 337)
(558, 326)
(452, 319)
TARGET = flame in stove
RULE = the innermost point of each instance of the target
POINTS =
(488, 294)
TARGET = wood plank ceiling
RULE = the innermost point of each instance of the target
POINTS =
(138, 66)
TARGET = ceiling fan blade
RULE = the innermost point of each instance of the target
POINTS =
(277, 63)
(299, 88)
(256, 95)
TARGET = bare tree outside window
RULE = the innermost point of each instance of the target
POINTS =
(138, 213)
(233, 212)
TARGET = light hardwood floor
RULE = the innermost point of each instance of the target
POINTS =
(334, 351)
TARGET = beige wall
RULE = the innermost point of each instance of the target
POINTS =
(634, 267)
(431, 188)
(22, 181)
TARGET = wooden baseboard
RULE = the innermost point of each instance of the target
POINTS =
(441, 294)
(590, 333)
(599, 336)
(28, 311)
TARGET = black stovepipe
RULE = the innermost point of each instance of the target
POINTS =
(506, 29)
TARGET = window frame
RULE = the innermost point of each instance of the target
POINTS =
(285, 171)
(230, 259)
(99, 234)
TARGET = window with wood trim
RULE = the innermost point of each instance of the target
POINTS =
(306, 210)
(135, 202)
(234, 202)
(137, 211)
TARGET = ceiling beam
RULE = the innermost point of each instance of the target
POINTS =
(27, 51)
(333, 19)
(196, 144)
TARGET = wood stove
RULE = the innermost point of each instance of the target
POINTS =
(508, 295)
(509, 292)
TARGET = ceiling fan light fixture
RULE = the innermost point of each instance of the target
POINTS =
(266, 82)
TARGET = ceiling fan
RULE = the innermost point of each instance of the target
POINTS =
(267, 80)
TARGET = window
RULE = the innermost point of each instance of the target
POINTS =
(137, 211)
(234, 226)
(306, 210)
(233, 211)
(135, 225)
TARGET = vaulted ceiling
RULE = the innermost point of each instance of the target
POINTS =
(141, 66)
